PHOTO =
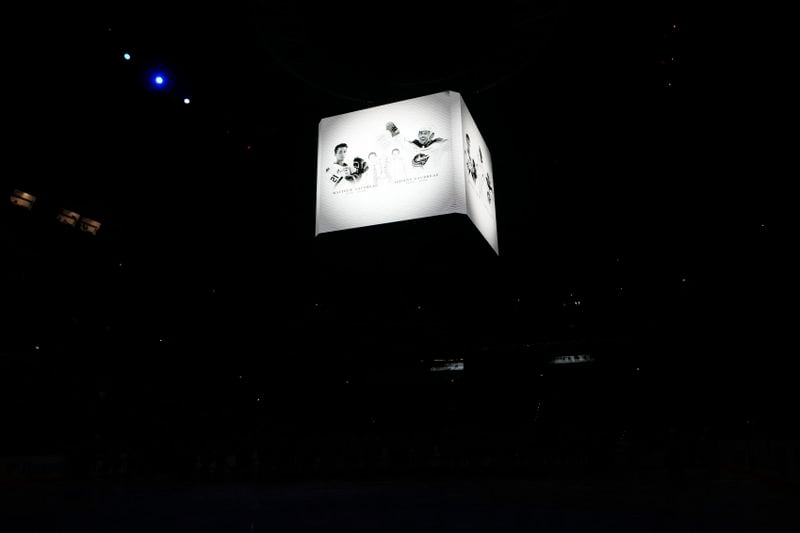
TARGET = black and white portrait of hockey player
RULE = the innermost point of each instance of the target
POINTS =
(478, 173)
(485, 188)
(340, 172)
(425, 147)
(469, 162)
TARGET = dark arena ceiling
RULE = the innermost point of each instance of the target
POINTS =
(617, 224)
(364, 52)
(205, 360)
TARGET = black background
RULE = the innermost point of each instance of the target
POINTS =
(637, 173)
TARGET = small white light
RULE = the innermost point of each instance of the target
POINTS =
(36, 347)
(186, 101)
(126, 56)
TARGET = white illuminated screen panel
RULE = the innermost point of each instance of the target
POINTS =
(404, 161)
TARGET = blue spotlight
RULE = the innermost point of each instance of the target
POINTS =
(126, 56)
(159, 81)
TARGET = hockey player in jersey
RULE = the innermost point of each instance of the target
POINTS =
(484, 183)
(339, 170)
(469, 163)
(425, 146)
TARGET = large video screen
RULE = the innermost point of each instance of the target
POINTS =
(479, 179)
(402, 161)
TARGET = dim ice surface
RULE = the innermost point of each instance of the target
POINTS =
(402, 161)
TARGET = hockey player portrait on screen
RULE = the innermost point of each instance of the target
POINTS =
(478, 173)
(469, 162)
(425, 147)
(484, 179)
(340, 172)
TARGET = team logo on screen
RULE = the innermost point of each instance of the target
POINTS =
(420, 160)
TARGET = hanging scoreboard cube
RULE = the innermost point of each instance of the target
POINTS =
(402, 161)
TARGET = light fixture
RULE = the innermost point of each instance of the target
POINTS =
(23, 199)
(572, 359)
(158, 80)
(447, 365)
(87, 225)
(68, 218)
